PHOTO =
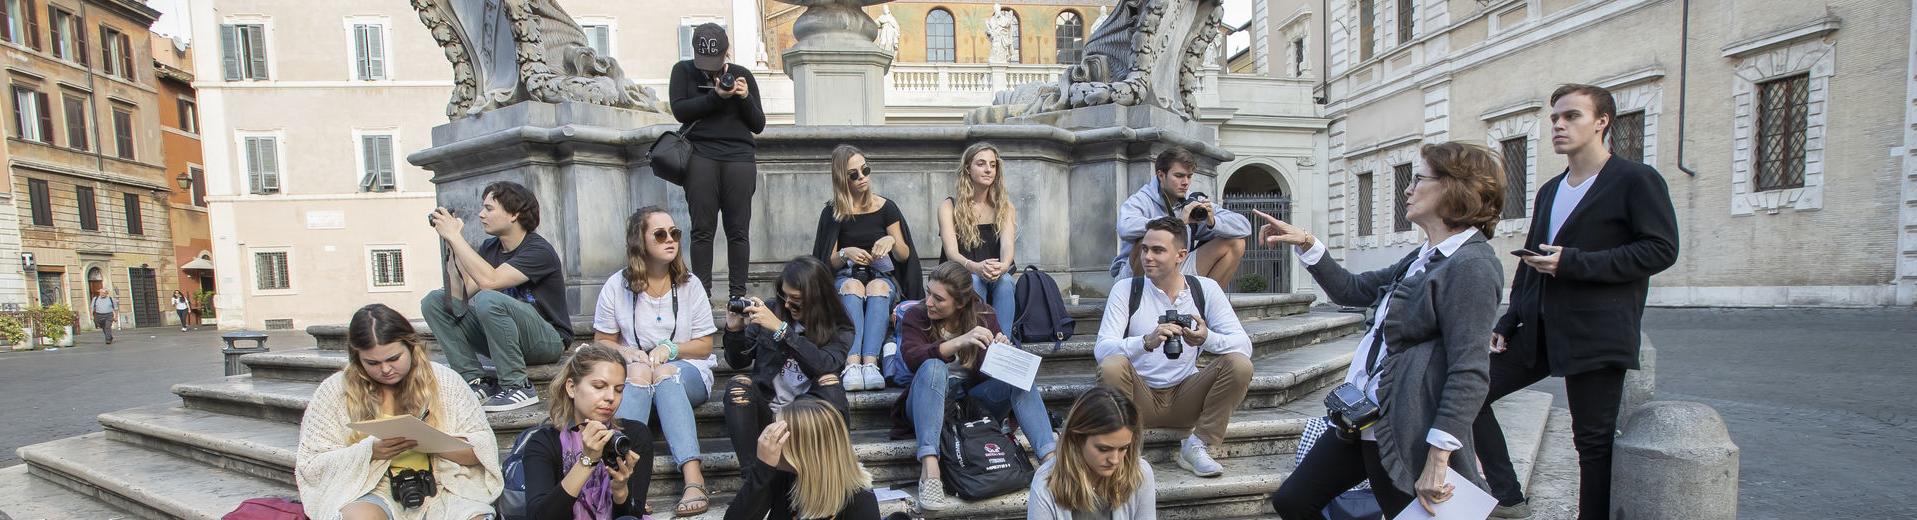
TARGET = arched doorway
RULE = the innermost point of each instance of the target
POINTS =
(96, 280)
(1265, 269)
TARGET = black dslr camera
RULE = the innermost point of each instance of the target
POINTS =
(726, 80)
(1197, 214)
(1175, 345)
(429, 216)
(616, 448)
(1351, 411)
(738, 305)
(411, 486)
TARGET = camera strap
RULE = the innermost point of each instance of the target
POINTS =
(1191, 284)
(674, 336)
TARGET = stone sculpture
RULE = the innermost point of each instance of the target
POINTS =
(888, 32)
(1149, 52)
(1000, 30)
(507, 51)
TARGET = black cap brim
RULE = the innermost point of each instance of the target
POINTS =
(714, 63)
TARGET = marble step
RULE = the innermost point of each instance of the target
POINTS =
(1267, 334)
(1277, 378)
(26, 497)
(1086, 317)
(145, 482)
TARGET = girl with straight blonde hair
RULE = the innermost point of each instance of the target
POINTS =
(343, 474)
(865, 241)
(805, 469)
(978, 228)
(1100, 471)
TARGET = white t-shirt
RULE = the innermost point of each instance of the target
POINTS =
(179, 304)
(1566, 201)
(642, 321)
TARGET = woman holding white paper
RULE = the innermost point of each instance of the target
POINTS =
(947, 336)
(347, 475)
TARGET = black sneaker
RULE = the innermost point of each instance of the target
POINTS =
(511, 398)
(483, 387)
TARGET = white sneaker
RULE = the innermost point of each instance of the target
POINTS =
(853, 378)
(874, 379)
(1194, 458)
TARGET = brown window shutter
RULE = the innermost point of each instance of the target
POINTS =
(33, 24)
(53, 28)
(126, 58)
(80, 40)
(46, 117)
(6, 24)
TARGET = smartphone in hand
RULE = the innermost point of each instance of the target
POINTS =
(1521, 253)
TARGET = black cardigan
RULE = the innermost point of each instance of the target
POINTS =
(1622, 232)
(754, 347)
(766, 493)
(911, 283)
(544, 469)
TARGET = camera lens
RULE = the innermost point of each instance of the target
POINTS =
(616, 448)
(738, 305)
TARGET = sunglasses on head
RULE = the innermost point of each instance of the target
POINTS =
(664, 235)
(859, 172)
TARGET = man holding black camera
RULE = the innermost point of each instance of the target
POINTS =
(506, 299)
(1216, 234)
(1149, 343)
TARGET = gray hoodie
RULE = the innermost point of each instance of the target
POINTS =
(1148, 204)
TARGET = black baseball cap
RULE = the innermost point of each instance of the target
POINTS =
(709, 44)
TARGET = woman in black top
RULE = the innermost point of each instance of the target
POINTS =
(864, 238)
(720, 119)
(565, 477)
(978, 226)
(804, 468)
(794, 346)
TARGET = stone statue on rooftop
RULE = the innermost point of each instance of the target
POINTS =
(507, 51)
(1149, 52)
(1001, 30)
(888, 32)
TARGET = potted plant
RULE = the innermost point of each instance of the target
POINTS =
(205, 299)
(12, 332)
(56, 322)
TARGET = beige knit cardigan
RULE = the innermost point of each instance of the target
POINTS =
(332, 472)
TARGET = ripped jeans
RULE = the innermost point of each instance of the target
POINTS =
(675, 397)
(749, 410)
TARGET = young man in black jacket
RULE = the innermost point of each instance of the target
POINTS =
(1599, 231)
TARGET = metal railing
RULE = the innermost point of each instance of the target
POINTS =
(1264, 269)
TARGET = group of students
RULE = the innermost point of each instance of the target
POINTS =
(1428, 360)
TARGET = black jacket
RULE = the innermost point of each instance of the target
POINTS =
(766, 493)
(725, 125)
(544, 469)
(754, 347)
(1591, 312)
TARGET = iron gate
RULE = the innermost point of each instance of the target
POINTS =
(1264, 268)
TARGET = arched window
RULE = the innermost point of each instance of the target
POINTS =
(1071, 37)
(940, 43)
(1018, 38)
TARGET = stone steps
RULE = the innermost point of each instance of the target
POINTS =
(25, 497)
(1086, 316)
(147, 483)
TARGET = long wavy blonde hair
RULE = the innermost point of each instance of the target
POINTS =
(845, 204)
(372, 326)
(964, 221)
(637, 237)
(1073, 483)
(820, 450)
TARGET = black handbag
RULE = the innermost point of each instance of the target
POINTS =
(671, 155)
(977, 458)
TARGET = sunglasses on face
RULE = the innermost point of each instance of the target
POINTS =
(664, 235)
(859, 172)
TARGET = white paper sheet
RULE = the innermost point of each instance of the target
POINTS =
(886, 494)
(1467, 502)
(1011, 364)
(430, 439)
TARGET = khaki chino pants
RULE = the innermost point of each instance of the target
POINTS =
(1203, 402)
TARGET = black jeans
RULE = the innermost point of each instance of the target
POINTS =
(1332, 467)
(1594, 398)
(713, 187)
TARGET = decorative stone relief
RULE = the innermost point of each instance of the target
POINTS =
(1815, 58)
(1149, 52)
(507, 51)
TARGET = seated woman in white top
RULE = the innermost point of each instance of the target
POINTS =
(657, 314)
(347, 475)
(1098, 472)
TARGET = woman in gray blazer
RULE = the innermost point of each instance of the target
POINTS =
(1424, 358)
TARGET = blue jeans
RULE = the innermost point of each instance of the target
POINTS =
(675, 398)
(871, 315)
(1002, 295)
(926, 406)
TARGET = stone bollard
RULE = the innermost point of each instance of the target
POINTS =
(1640, 386)
(1677, 461)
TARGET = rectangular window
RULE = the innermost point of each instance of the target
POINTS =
(1627, 136)
(1298, 57)
(685, 36)
(599, 37)
(123, 133)
(189, 116)
(376, 163)
(1367, 26)
(262, 165)
(32, 119)
(1364, 204)
(199, 185)
(76, 112)
(269, 271)
(1782, 109)
(389, 268)
(42, 201)
(369, 51)
(1407, 20)
(116, 52)
(243, 51)
(134, 224)
(69, 35)
(21, 23)
(1399, 222)
(89, 215)
(1515, 151)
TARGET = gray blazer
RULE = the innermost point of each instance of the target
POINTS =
(1438, 334)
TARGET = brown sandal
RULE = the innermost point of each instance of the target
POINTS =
(704, 501)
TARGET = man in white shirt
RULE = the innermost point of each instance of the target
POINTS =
(105, 309)
(1173, 392)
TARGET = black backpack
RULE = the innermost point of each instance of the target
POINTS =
(1041, 311)
(1191, 284)
(512, 501)
(977, 458)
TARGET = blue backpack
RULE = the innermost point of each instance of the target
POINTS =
(1041, 314)
(512, 502)
(893, 366)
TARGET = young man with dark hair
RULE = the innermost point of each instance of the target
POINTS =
(1216, 235)
(506, 299)
(1599, 231)
(1137, 355)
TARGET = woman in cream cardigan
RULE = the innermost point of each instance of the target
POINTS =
(342, 474)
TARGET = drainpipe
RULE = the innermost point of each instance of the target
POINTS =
(1324, 56)
(1683, 80)
(93, 95)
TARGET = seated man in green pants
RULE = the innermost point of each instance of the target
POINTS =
(508, 302)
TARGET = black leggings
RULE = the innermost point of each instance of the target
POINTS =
(749, 410)
(1332, 467)
(721, 186)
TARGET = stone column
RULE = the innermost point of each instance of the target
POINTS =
(838, 74)
(1676, 461)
